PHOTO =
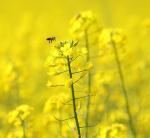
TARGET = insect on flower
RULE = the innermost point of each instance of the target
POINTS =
(51, 39)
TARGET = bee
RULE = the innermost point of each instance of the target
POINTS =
(51, 39)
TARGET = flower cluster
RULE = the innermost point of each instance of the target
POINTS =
(82, 22)
(116, 36)
(55, 103)
(56, 62)
(12, 77)
(113, 131)
(20, 115)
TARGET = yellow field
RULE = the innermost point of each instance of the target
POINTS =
(74, 69)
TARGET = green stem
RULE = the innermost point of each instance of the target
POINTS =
(89, 87)
(120, 72)
(73, 99)
(23, 128)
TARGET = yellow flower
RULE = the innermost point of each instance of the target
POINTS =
(69, 83)
(20, 114)
(109, 35)
(66, 49)
(89, 66)
(50, 104)
(82, 22)
(49, 61)
(55, 103)
(49, 84)
(115, 130)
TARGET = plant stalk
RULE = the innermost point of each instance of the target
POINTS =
(87, 112)
(73, 99)
(23, 128)
(124, 90)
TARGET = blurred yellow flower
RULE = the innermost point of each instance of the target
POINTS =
(21, 113)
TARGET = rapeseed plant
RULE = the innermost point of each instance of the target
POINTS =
(62, 61)
(84, 28)
(115, 39)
